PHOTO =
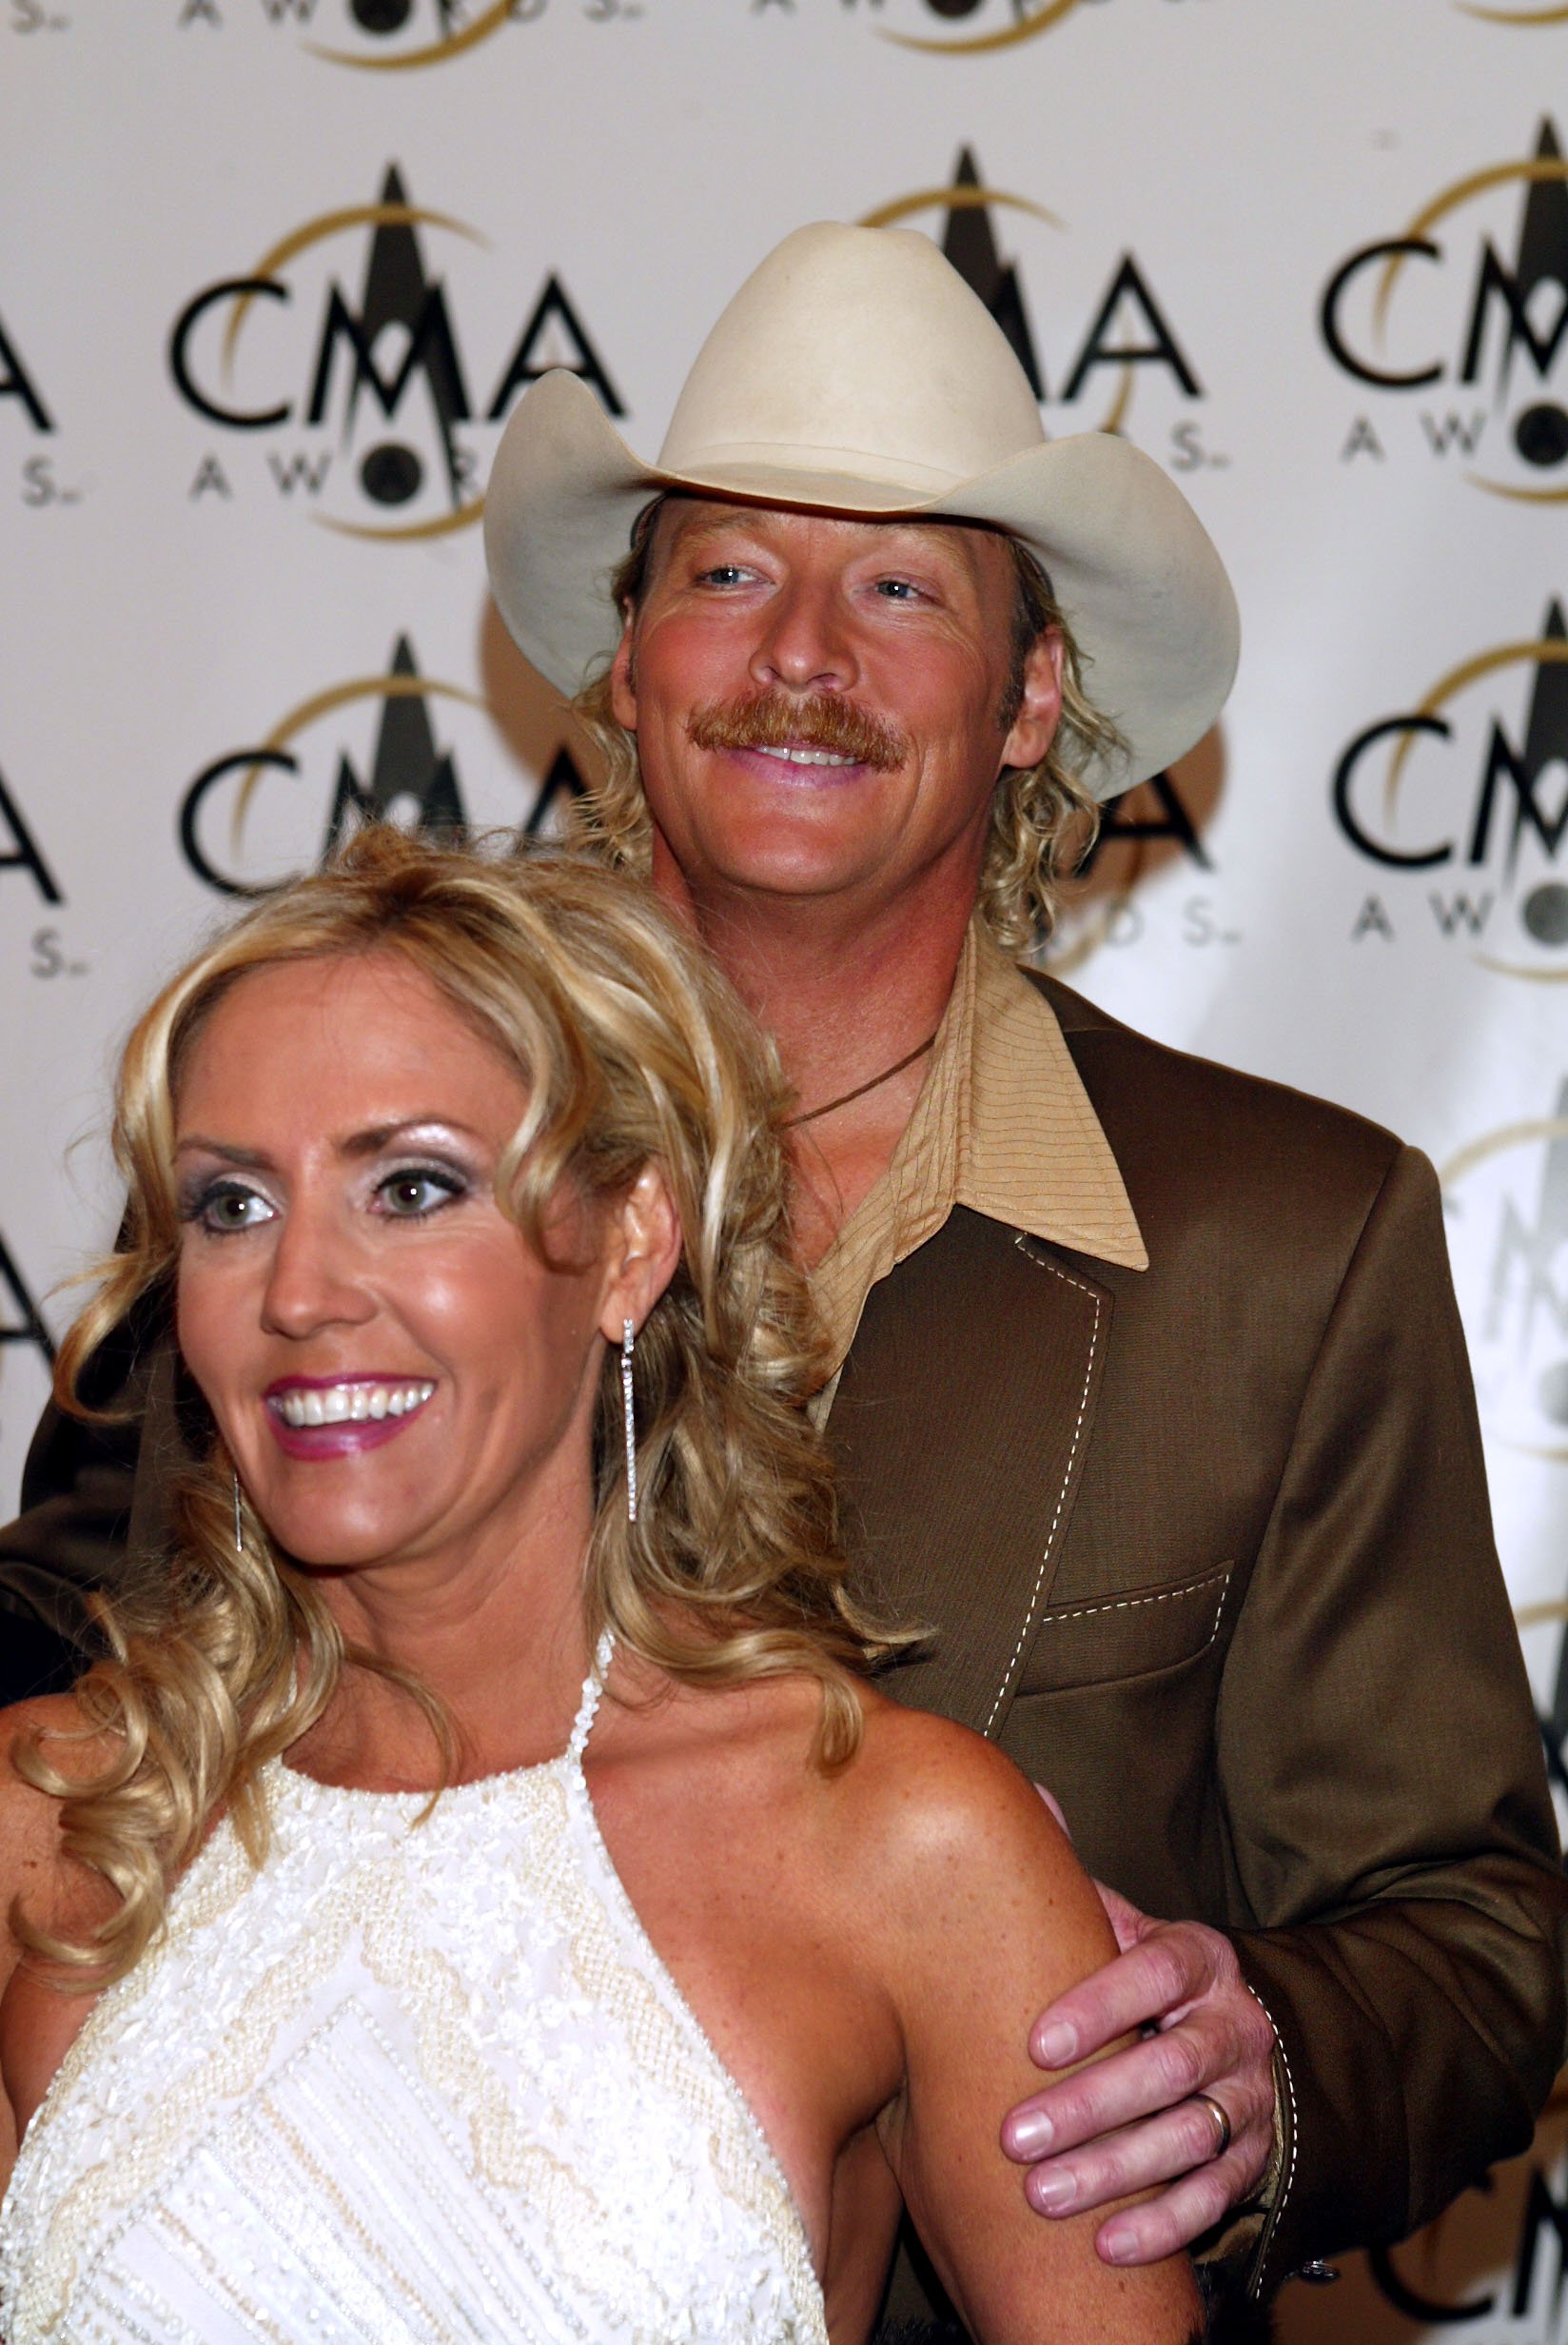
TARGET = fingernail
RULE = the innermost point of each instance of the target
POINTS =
(1030, 2136)
(1057, 2045)
(1051, 2192)
(1117, 2246)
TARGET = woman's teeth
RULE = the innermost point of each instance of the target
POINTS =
(348, 1403)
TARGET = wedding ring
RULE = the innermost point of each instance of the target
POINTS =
(1221, 2124)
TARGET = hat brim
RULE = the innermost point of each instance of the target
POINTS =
(1129, 563)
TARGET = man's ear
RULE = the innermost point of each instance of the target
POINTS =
(644, 1247)
(623, 677)
(1040, 710)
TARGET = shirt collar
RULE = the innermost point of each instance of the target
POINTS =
(1003, 1126)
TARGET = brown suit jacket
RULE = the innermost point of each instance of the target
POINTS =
(1206, 1549)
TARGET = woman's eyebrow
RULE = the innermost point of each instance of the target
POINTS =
(375, 1137)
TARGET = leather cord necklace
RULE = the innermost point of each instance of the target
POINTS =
(792, 1123)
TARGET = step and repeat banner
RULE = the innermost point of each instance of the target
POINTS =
(274, 274)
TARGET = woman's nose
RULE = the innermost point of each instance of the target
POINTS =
(316, 1277)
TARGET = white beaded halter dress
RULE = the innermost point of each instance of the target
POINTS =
(410, 2083)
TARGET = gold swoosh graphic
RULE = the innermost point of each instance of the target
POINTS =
(1494, 1144)
(1515, 969)
(1468, 671)
(406, 532)
(436, 52)
(954, 198)
(1514, 16)
(339, 695)
(1534, 167)
(980, 40)
(333, 224)
(1519, 495)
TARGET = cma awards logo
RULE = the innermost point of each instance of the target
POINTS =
(399, 36)
(337, 358)
(1464, 798)
(365, 750)
(972, 28)
(1506, 1195)
(1462, 319)
(1110, 333)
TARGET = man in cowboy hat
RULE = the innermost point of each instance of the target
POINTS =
(1151, 1396)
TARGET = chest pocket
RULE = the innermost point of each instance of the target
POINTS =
(1132, 1634)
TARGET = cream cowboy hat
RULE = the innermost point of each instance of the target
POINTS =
(856, 372)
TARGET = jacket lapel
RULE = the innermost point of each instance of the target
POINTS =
(959, 1429)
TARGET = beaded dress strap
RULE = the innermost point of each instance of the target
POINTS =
(583, 1725)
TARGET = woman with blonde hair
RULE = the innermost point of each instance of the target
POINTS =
(479, 1894)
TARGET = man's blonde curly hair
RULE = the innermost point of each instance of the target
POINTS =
(1043, 820)
(632, 1050)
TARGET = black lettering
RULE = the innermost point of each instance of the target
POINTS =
(25, 854)
(1459, 913)
(1172, 821)
(1496, 282)
(1328, 316)
(32, 1329)
(210, 474)
(1539, 2207)
(1161, 348)
(235, 419)
(298, 470)
(190, 845)
(1404, 2298)
(561, 784)
(1504, 758)
(1372, 920)
(1451, 430)
(431, 350)
(16, 383)
(553, 305)
(1346, 774)
(1363, 441)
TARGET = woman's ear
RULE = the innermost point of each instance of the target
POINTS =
(644, 1247)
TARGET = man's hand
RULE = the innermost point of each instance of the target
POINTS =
(1133, 2121)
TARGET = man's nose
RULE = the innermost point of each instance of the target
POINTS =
(805, 645)
(316, 1279)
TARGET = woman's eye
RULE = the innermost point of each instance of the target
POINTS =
(409, 1196)
(227, 1207)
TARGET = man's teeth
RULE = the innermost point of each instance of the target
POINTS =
(349, 1404)
(802, 757)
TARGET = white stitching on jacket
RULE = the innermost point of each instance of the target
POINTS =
(1165, 1595)
(1083, 1288)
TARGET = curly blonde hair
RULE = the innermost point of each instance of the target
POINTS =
(634, 1050)
(1043, 819)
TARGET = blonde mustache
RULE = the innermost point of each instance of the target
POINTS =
(778, 721)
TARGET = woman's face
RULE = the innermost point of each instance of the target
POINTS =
(396, 1373)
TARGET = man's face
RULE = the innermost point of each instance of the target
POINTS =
(816, 701)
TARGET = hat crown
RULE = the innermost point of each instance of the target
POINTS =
(859, 350)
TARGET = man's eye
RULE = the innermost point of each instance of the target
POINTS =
(409, 1196)
(723, 574)
(898, 589)
(227, 1206)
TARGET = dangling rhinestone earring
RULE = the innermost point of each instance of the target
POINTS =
(628, 1337)
(238, 1526)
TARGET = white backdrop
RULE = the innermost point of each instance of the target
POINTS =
(273, 273)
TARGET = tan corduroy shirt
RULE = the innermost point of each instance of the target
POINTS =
(1004, 1126)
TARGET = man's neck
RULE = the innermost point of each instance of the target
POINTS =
(844, 995)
